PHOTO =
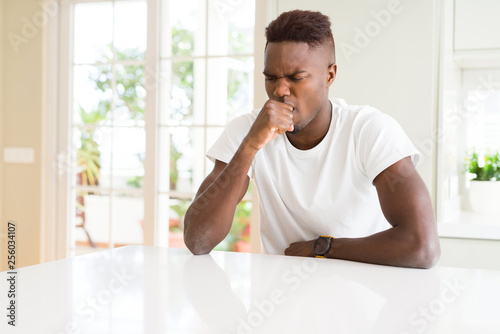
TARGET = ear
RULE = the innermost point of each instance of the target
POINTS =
(331, 74)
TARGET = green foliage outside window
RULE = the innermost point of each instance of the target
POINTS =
(485, 168)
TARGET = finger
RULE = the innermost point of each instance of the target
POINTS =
(284, 127)
(287, 106)
(281, 104)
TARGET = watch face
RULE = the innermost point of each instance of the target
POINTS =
(321, 245)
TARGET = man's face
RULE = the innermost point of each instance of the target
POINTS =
(300, 77)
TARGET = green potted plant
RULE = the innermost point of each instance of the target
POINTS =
(484, 191)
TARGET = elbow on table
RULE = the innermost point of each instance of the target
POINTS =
(196, 248)
(427, 253)
(197, 245)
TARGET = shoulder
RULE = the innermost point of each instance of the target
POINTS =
(240, 125)
(359, 113)
(359, 117)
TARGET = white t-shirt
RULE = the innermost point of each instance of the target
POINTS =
(327, 189)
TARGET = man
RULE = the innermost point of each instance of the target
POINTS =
(334, 180)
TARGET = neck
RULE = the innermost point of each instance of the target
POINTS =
(315, 131)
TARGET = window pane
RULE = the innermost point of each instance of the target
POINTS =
(131, 95)
(93, 32)
(92, 219)
(110, 157)
(162, 221)
(484, 123)
(127, 150)
(185, 159)
(184, 31)
(239, 235)
(230, 92)
(88, 142)
(240, 86)
(96, 211)
(100, 165)
(92, 94)
(127, 219)
(183, 91)
(131, 27)
(231, 27)
(177, 211)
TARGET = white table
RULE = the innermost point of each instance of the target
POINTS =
(138, 289)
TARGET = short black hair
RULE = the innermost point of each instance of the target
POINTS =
(301, 26)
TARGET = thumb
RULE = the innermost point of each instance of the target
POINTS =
(290, 128)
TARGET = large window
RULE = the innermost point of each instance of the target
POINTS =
(204, 72)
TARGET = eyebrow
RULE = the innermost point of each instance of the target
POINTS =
(287, 75)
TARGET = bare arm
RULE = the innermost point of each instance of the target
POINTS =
(210, 216)
(411, 242)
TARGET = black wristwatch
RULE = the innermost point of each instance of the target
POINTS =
(322, 246)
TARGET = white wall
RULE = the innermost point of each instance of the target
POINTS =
(394, 69)
(22, 127)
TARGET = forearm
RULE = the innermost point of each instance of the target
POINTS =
(210, 216)
(394, 247)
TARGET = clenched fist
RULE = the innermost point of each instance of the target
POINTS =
(274, 119)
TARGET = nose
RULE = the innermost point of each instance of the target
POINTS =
(281, 90)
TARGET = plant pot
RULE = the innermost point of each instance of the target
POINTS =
(484, 196)
(243, 247)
